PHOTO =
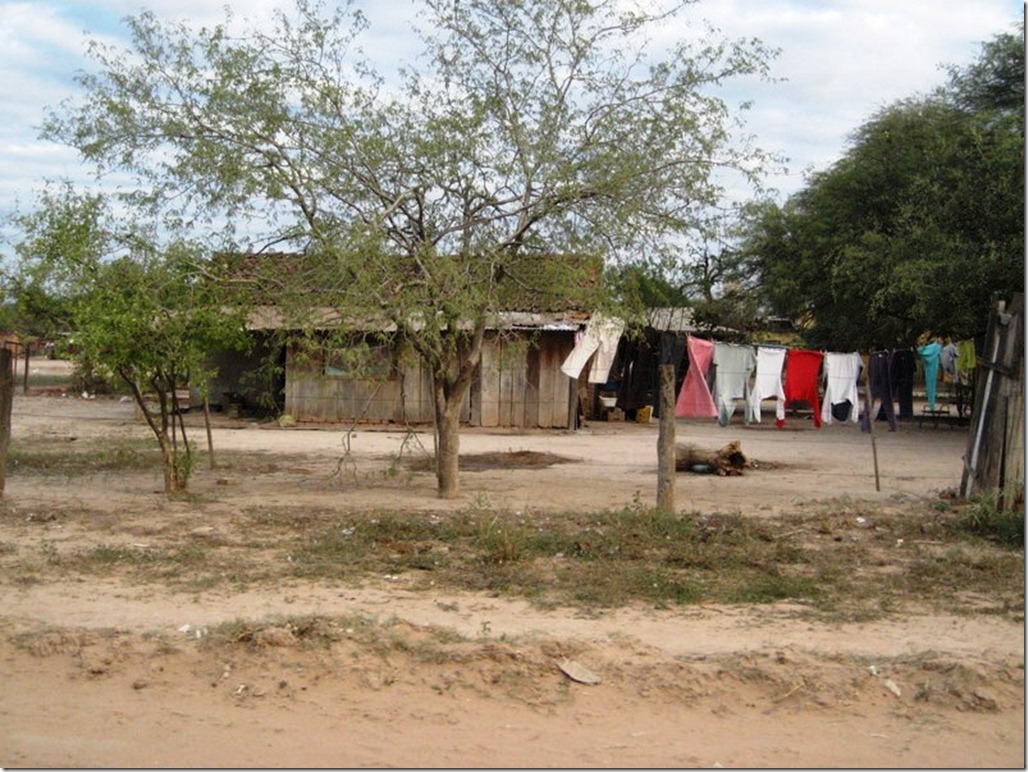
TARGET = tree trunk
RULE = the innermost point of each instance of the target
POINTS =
(450, 382)
(168, 463)
(160, 431)
(6, 402)
(447, 429)
(666, 441)
(207, 426)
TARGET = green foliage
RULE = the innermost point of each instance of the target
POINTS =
(985, 516)
(536, 129)
(916, 227)
(142, 312)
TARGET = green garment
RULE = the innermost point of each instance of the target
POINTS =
(966, 361)
(930, 359)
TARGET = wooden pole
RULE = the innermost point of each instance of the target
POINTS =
(871, 422)
(6, 402)
(25, 381)
(666, 441)
(207, 424)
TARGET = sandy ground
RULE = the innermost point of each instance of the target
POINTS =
(101, 673)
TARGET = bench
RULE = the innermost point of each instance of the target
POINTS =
(939, 413)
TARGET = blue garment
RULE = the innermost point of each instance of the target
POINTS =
(930, 358)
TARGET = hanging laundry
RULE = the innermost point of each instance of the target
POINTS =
(879, 385)
(734, 364)
(930, 359)
(601, 337)
(842, 371)
(967, 360)
(802, 368)
(948, 360)
(902, 366)
(768, 384)
(694, 398)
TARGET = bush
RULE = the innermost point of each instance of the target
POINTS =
(985, 517)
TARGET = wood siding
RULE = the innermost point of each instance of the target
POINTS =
(995, 453)
(519, 384)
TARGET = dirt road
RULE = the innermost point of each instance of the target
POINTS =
(99, 671)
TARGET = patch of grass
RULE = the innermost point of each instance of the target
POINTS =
(304, 631)
(506, 460)
(985, 517)
(77, 457)
(39, 380)
(103, 557)
(771, 587)
(847, 560)
(502, 540)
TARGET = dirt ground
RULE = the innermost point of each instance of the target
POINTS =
(97, 671)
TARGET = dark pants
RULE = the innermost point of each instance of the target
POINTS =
(880, 385)
(902, 367)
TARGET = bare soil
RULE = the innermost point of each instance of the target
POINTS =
(101, 670)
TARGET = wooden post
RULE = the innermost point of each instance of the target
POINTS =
(25, 381)
(871, 423)
(6, 401)
(666, 441)
(207, 424)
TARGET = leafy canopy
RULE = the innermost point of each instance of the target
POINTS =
(528, 130)
(919, 223)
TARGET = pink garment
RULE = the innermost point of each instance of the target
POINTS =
(695, 400)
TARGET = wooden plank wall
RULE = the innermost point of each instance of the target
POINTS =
(995, 454)
(405, 398)
(520, 384)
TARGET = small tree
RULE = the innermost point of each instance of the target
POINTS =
(147, 316)
(532, 128)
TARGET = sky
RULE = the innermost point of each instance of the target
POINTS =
(841, 61)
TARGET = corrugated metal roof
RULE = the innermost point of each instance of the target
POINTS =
(671, 319)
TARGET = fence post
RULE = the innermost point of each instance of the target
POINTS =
(666, 441)
(6, 401)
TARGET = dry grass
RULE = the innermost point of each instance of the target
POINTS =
(838, 559)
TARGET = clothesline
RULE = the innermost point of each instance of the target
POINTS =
(721, 374)
(754, 373)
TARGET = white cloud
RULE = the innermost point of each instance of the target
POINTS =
(841, 61)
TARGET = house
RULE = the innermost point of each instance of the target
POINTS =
(373, 375)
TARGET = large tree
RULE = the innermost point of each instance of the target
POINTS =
(529, 129)
(918, 224)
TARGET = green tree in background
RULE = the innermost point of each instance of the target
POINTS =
(150, 317)
(919, 223)
(530, 129)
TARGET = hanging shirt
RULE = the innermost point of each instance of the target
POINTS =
(802, 369)
(768, 384)
(734, 363)
(694, 398)
(601, 337)
(842, 371)
(966, 361)
(948, 360)
(930, 359)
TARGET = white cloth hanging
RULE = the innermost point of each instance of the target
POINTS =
(842, 371)
(768, 384)
(601, 336)
(735, 363)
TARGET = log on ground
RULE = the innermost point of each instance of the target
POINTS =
(729, 460)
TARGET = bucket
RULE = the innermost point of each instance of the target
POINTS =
(642, 415)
